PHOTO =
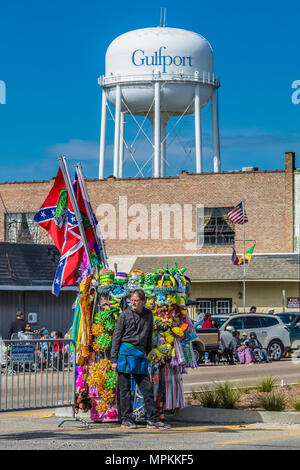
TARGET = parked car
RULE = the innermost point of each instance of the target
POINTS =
(208, 341)
(292, 322)
(272, 333)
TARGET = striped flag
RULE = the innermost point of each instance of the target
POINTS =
(234, 258)
(237, 215)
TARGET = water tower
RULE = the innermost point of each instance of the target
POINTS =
(158, 72)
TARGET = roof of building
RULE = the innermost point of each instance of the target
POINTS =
(220, 268)
(24, 264)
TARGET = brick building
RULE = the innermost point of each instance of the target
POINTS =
(184, 218)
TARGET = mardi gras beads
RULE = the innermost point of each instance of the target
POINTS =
(107, 397)
(97, 329)
(105, 364)
(111, 380)
(96, 376)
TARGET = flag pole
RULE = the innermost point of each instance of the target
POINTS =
(65, 172)
(244, 262)
(87, 203)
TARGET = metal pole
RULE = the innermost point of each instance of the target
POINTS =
(163, 155)
(283, 300)
(198, 130)
(121, 146)
(102, 136)
(215, 131)
(117, 130)
(244, 262)
(156, 166)
(65, 172)
(88, 206)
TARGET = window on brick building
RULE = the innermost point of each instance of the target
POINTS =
(21, 228)
(214, 227)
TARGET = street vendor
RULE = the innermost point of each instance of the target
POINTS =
(131, 342)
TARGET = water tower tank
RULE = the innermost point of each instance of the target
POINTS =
(171, 52)
(159, 72)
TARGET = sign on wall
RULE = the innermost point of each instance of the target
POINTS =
(293, 302)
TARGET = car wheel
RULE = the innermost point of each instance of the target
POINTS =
(275, 350)
(199, 354)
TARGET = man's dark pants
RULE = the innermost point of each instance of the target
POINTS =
(145, 387)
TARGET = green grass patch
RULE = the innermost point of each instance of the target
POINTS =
(296, 405)
(274, 401)
(267, 384)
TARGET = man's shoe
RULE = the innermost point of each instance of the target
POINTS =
(157, 425)
(128, 424)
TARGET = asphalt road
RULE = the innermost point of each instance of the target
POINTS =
(38, 430)
(287, 370)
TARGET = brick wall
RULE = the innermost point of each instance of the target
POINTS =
(269, 206)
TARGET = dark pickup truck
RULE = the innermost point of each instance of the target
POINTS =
(208, 341)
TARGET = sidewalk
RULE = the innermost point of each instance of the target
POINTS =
(38, 430)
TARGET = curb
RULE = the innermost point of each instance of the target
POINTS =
(197, 414)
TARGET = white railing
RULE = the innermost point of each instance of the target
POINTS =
(206, 78)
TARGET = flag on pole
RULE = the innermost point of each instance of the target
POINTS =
(53, 215)
(248, 256)
(66, 270)
(73, 257)
(57, 217)
(234, 258)
(86, 208)
(238, 215)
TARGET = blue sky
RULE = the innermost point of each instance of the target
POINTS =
(51, 54)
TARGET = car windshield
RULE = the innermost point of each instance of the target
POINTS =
(287, 318)
(220, 320)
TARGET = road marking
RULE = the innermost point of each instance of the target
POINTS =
(264, 438)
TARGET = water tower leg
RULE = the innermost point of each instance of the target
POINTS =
(163, 154)
(215, 131)
(198, 131)
(121, 146)
(102, 136)
(117, 130)
(156, 162)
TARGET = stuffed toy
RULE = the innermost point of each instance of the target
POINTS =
(155, 356)
(82, 401)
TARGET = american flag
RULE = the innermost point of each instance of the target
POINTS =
(234, 258)
(237, 216)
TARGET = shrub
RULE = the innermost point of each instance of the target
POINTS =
(273, 401)
(245, 390)
(229, 397)
(195, 395)
(296, 405)
(209, 399)
(267, 384)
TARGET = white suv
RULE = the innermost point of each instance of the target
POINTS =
(270, 331)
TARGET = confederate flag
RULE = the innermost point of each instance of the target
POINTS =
(57, 217)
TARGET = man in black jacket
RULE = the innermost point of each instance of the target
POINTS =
(131, 342)
(17, 325)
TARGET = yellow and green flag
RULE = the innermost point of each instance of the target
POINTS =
(248, 256)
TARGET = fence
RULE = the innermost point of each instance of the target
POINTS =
(37, 373)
